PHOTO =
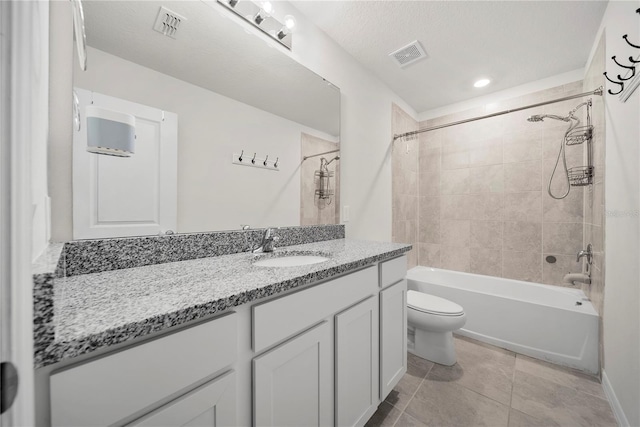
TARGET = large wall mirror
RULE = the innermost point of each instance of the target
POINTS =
(207, 101)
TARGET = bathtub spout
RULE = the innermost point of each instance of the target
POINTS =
(572, 278)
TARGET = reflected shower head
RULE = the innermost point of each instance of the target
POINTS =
(539, 118)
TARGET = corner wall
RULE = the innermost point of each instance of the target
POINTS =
(622, 224)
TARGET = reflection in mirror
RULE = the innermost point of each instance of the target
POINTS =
(212, 93)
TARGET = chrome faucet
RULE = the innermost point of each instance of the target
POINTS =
(268, 242)
(586, 253)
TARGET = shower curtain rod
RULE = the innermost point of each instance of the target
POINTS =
(320, 154)
(598, 91)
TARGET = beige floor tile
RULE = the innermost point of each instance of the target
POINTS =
(551, 402)
(404, 390)
(385, 416)
(449, 404)
(407, 420)
(560, 375)
(418, 366)
(518, 419)
(482, 368)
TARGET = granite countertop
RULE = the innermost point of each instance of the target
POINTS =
(93, 311)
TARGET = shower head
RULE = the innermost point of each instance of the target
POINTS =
(539, 118)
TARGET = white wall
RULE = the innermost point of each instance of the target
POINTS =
(365, 131)
(622, 227)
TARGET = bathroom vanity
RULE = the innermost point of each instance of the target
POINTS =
(219, 341)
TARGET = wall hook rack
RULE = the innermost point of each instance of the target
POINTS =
(626, 38)
(613, 81)
(256, 162)
(628, 67)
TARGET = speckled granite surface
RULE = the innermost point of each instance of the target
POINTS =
(93, 311)
(94, 256)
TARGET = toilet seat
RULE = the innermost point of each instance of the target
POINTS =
(432, 304)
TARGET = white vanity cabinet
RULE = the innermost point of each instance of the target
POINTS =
(324, 355)
(292, 383)
(356, 370)
(115, 387)
(393, 324)
(212, 404)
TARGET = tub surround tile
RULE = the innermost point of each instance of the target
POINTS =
(522, 236)
(486, 179)
(486, 234)
(562, 238)
(554, 273)
(429, 208)
(569, 209)
(486, 207)
(455, 181)
(454, 233)
(455, 207)
(522, 266)
(523, 176)
(523, 149)
(429, 182)
(93, 256)
(486, 261)
(523, 206)
(429, 255)
(96, 310)
(454, 258)
(429, 232)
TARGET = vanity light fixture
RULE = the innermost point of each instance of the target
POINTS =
(264, 12)
(260, 15)
(481, 83)
(289, 24)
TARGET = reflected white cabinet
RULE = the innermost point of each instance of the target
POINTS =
(212, 404)
(292, 382)
(356, 370)
(393, 336)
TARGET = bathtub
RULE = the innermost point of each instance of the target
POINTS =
(540, 321)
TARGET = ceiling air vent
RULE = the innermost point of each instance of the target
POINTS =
(409, 54)
(168, 22)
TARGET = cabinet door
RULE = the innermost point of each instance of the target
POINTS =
(356, 371)
(292, 383)
(212, 404)
(393, 336)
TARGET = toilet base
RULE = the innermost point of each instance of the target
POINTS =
(437, 347)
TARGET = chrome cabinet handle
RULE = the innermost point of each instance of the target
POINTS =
(80, 34)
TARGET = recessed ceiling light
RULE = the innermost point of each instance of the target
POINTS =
(481, 83)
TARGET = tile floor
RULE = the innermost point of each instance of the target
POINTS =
(493, 387)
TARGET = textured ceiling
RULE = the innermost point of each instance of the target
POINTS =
(511, 42)
(213, 51)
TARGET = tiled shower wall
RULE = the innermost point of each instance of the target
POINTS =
(594, 194)
(482, 192)
(404, 183)
(314, 211)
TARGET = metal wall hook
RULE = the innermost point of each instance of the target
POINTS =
(626, 38)
(628, 67)
(265, 160)
(241, 154)
(275, 165)
(613, 81)
(254, 158)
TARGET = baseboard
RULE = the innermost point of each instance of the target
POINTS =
(613, 401)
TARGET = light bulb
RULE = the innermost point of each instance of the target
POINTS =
(267, 7)
(289, 22)
(481, 83)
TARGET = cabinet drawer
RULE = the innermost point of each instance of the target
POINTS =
(106, 390)
(393, 271)
(279, 319)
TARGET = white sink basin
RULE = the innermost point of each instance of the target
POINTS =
(290, 261)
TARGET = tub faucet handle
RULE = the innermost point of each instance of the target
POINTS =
(586, 253)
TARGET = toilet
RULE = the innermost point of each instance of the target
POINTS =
(434, 319)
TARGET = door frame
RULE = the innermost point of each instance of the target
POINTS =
(24, 39)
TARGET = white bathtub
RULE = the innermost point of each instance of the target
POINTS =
(540, 321)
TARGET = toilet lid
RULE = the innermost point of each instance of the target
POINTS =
(432, 304)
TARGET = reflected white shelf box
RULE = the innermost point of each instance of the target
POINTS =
(110, 132)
